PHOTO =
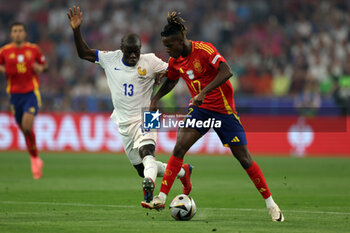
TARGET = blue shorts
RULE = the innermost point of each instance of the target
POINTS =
(230, 130)
(27, 102)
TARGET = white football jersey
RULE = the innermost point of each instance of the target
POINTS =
(131, 86)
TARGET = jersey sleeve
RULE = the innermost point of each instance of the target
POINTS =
(173, 74)
(215, 58)
(98, 55)
(103, 57)
(158, 64)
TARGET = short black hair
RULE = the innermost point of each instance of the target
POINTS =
(16, 23)
(131, 39)
(175, 25)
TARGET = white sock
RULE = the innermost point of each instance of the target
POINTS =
(149, 162)
(161, 170)
(270, 202)
(162, 196)
(181, 173)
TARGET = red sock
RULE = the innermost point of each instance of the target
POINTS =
(173, 167)
(31, 145)
(258, 179)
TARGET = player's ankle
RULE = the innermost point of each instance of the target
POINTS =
(270, 202)
(181, 173)
(162, 196)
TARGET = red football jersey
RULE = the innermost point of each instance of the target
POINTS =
(21, 78)
(198, 69)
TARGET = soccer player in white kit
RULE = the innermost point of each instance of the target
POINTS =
(130, 77)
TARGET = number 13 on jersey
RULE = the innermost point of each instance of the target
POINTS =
(128, 89)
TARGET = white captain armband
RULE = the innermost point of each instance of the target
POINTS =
(215, 59)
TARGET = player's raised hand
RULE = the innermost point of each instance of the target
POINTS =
(75, 17)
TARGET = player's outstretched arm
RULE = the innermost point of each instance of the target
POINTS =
(224, 74)
(75, 17)
(167, 86)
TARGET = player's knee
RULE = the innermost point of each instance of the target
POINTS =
(26, 128)
(146, 150)
(179, 150)
(242, 155)
(246, 162)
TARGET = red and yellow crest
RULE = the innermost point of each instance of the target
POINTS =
(12, 55)
(197, 66)
(28, 54)
(168, 172)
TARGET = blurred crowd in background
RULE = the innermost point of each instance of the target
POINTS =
(295, 50)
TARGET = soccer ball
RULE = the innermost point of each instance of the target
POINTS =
(182, 207)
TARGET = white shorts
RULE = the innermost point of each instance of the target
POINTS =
(134, 137)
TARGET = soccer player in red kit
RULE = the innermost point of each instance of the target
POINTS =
(206, 74)
(22, 61)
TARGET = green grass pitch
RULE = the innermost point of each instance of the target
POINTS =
(101, 193)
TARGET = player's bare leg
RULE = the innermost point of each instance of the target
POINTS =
(242, 154)
(27, 129)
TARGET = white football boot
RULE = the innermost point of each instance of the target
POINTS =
(276, 213)
(157, 204)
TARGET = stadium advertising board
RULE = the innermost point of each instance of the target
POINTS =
(268, 135)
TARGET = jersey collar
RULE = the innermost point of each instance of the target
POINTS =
(127, 64)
